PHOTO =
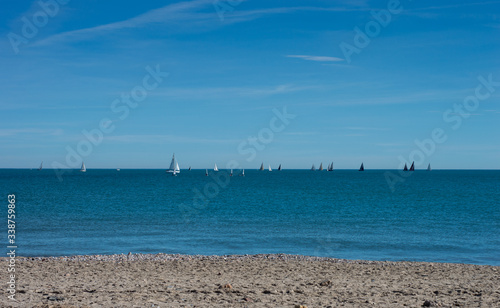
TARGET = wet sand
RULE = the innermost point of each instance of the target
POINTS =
(247, 281)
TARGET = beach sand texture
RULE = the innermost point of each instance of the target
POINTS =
(248, 281)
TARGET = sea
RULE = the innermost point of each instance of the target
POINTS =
(433, 216)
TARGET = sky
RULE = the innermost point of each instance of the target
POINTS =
(126, 85)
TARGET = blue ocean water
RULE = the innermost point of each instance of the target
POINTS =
(437, 216)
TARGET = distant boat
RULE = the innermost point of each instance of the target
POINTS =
(174, 166)
(206, 172)
(330, 167)
(321, 167)
(362, 168)
(313, 168)
(270, 168)
(412, 168)
(429, 167)
(83, 169)
(231, 174)
(117, 169)
(279, 168)
(215, 168)
(405, 168)
(243, 173)
(41, 166)
(261, 167)
(189, 169)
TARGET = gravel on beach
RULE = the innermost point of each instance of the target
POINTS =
(272, 280)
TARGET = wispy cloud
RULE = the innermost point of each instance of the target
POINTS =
(31, 131)
(166, 138)
(196, 14)
(316, 58)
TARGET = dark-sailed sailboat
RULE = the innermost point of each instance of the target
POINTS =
(405, 168)
(412, 168)
(362, 168)
(279, 168)
(261, 167)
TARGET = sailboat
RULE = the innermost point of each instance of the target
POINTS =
(321, 167)
(279, 168)
(429, 167)
(270, 168)
(243, 173)
(83, 169)
(313, 168)
(174, 166)
(206, 172)
(231, 174)
(405, 168)
(41, 166)
(189, 169)
(215, 168)
(412, 168)
(330, 167)
(362, 168)
(261, 167)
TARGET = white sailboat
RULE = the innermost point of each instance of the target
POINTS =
(174, 166)
(243, 173)
(231, 174)
(215, 168)
(270, 168)
(83, 168)
(206, 172)
(41, 166)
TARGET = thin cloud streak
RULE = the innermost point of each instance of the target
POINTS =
(316, 58)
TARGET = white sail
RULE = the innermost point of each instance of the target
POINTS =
(270, 168)
(215, 168)
(83, 168)
(173, 166)
(243, 173)
(206, 172)
(231, 174)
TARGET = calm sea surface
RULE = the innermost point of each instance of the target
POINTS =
(438, 216)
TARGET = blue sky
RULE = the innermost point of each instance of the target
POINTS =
(230, 64)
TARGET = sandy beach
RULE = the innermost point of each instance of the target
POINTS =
(248, 281)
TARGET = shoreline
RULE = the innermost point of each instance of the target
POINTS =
(264, 280)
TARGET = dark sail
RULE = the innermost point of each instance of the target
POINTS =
(362, 168)
(405, 168)
(412, 168)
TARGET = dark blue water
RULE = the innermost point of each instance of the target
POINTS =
(438, 216)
